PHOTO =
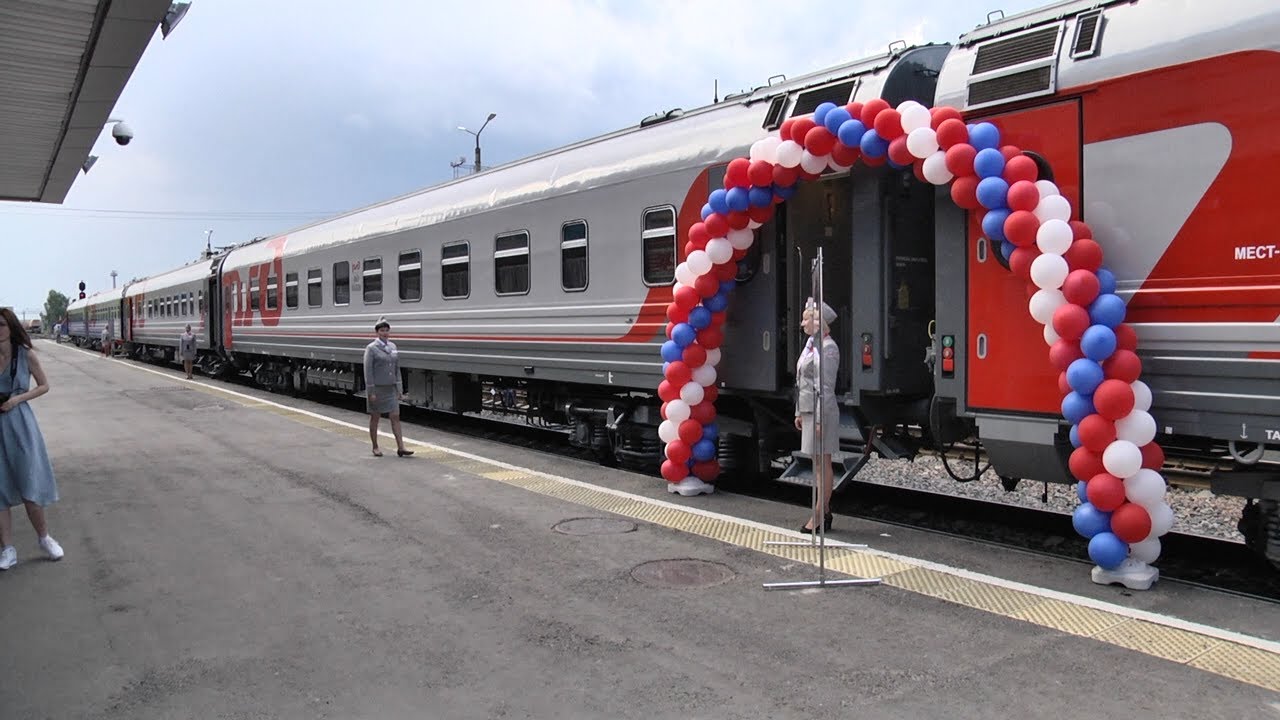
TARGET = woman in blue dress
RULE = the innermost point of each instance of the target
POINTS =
(26, 476)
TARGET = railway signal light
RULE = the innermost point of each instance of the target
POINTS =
(948, 356)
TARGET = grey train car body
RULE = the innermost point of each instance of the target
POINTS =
(88, 317)
(161, 306)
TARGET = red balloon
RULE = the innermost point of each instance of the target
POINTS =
(1064, 352)
(1023, 195)
(1084, 254)
(1021, 227)
(739, 253)
(819, 141)
(678, 373)
(760, 173)
(1020, 262)
(706, 285)
(761, 214)
(1152, 456)
(694, 356)
(736, 174)
(698, 233)
(959, 159)
(871, 109)
(676, 314)
(670, 325)
(1096, 433)
(690, 431)
(1080, 229)
(952, 132)
(943, 113)
(674, 471)
(1126, 337)
(710, 338)
(855, 110)
(888, 124)
(709, 394)
(1123, 365)
(917, 167)
(704, 412)
(1081, 287)
(1113, 399)
(738, 220)
(898, 151)
(1064, 387)
(678, 451)
(1070, 321)
(663, 410)
(1131, 523)
(785, 176)
(686, 297)
(689, 247)
(1085, 463)
(870, 161)
(845, 155)
(717, 225)
(784, 130)
(1020, 168)
(964, 192)
(717, 318)
(726, 271)
(706, 471)
(802, 127)
(1105, 491)
(667, 391)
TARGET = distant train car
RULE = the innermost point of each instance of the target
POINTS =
(90, 316)
(161, 306)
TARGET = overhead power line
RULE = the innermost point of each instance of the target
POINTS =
(105, 214)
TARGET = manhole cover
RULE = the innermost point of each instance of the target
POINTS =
(595, 526)
(682, 573)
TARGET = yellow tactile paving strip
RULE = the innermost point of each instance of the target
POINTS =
(1214, 655)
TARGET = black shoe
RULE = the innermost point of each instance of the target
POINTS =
(404, 453)
(826, 522)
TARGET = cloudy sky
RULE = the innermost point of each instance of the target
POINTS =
(255, 117)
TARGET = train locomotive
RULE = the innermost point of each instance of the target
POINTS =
(550, 276)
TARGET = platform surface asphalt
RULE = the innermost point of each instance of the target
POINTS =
(227, 558)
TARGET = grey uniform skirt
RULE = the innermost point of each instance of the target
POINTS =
(386, 399)
(830, 431)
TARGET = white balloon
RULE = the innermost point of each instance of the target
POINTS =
(1050, 335)
(1054, 237)
(1138, 427)
(752, 224)
(677, 411)
(713, 357)
(1047, 188)
(685, 275)
(789, 153)
(813, 163)
(835, 166)
(914, 116)
(1044, 303)
(1121, 458)
(740, 239)
(922, 142)
(719, 250)
(1147, 551)
(1141, 395)
(1161, 520)
(935, 169)
(675, 289)
(691, 393)
(668, 431)
(699, 262)
(766, 149)
(1048, 272)
(1054, 207)
(1145, 488)
(704, 375)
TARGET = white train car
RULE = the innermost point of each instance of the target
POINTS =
(161, 306)
(90, 316)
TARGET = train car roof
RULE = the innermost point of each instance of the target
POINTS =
(192, 272)
(98, 298)
(1031, 18)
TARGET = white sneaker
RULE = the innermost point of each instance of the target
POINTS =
(8, 558)
(51, 547)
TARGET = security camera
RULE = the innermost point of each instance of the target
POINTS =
(122, 133)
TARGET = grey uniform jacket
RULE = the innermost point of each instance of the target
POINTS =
(381, 365)
(807, 379)
(187, 345)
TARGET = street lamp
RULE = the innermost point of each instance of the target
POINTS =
(477, 134)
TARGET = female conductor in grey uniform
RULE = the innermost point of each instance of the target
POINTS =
(808, 388)
(382, 386)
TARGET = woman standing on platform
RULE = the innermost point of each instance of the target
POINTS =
(187, 349)
(382, 386)
(808, 387)
(26, 476)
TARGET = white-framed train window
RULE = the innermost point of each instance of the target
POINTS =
(659, 245)
(291, 291)
(511, 263)
(573, 256)
(409, 269)
(315, 287)
(199, 303)
(255, 292)
(371, 285)
(455, 270)
(273, 291)
(341, 283)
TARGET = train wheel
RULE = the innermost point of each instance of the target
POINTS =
(1260, 525)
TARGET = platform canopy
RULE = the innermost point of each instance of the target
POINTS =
(63, 66)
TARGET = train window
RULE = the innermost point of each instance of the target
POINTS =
(511, 264)
(341, 283)
(573, 256)
(255, 292)
(200, 303)
(315, 285)
(291, 291)
(273, 292)
(455, 270)
(659, 240)
(372, 284)
(410, 268)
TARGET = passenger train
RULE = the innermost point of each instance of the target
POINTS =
(552, 274)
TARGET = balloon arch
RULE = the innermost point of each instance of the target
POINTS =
(1115, 460)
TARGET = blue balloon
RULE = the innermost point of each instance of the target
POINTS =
(1106, 281)
(1107, 550)
(1076, 407)
(760, 197)
(984, 135)
(834, 119)
(1089, 521)
(683, 334)
(738, 199)
(851, 132)
(873, 145)
(719, 201)
(988, 163)
(671, 351)
(1084, 376)
(993, 193)
(1098, 342)
(820, 112)
(1074, 435)
(1107, 310)
(665, 365)
(704, 450)
(707, 211)
(715, 303)
(784, 191)
(710, 432)
(993, 223)
(700, 317)
(727, 286)
(1081, 491)
(1006, 249)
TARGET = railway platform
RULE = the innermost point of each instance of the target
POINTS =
(237, 554)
